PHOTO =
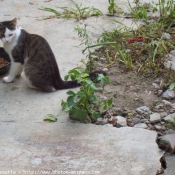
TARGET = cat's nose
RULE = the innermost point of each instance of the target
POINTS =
(6, 41)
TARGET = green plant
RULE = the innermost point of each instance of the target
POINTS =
(165, 7)
(113, 8)
(82, 32)
(170, 124)
(77, 12)
(140, 11)
(84, 104)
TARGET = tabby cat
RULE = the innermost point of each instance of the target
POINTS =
(32, 53)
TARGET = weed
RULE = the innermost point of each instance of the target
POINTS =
(170, 125)
(140, 11)
(113, 8)
(82, 32)
(84, 104)
(78, 12)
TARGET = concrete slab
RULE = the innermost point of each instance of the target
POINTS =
(29, 143)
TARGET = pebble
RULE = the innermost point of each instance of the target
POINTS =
(143, 110)
(159, 106)
(141, 125)
(170, 117)
(105, 69)
(156, 86)
(167, 103)
(121, 121)
(172, 110)
(136, 120)
(144, 121)
(155, 117)
(172, 52)
(163, 114)
(158, 127)
(159, 92)
(151, 127)
(162, 123)
(166, 36)
(101, 121)
(168, 94)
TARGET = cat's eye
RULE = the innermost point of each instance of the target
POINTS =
(10, 34)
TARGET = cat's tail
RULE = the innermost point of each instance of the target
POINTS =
(74, 83)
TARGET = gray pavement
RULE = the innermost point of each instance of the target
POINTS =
(28, 143)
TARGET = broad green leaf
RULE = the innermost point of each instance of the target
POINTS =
(94, 87)
(78, 114)
(96, 115)
(71, 93)
(93, 98)
(66, 77)
(103, 79)
(65, 106)
(50, 117)
(81, 94)
(72, 100)
(88, 81)
(84, 75)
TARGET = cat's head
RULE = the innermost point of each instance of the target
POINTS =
(8, 30)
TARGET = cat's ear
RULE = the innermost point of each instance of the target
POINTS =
(13, 23)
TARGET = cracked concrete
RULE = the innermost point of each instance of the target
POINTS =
(29, 143)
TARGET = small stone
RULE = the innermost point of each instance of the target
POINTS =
(136, 120)
(121, 121)
(101, 121)
(159, 106)
(105, 69)
(170, 131)
(168, 94)
(155, 117)
(141, 125)
(143, 110)
(157, 80)
(144, 121)
(162, 123)
(151, 127)
(172, 52)
(103, 59)
(147, 122)
(172, 110)
(156, 86)
(131, 124)
(163, 128)
(158, 127)
(159, 92)
(170, 117)
(166, 36)
(163, 114)
(128, 50)
(167, 103)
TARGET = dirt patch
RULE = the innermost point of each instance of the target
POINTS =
(129, 89)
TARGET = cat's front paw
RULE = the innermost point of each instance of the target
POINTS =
(8, 79)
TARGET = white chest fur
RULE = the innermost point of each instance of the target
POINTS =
(12, 43)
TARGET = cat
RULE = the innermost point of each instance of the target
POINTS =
(33, 54)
